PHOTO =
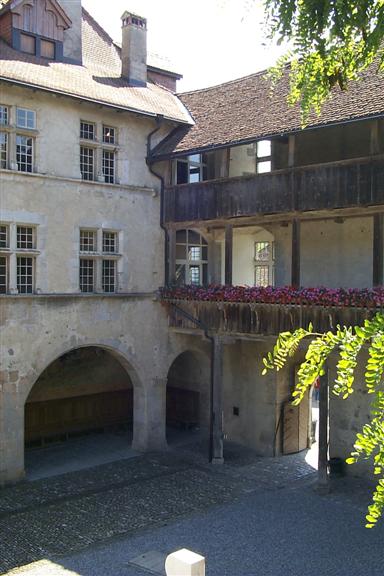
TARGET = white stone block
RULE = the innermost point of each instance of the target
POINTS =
(185, 563)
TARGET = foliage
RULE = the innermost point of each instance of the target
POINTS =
(348, 342)
(319, 296)
(332, 42)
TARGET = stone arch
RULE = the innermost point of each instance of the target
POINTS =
(188, 390)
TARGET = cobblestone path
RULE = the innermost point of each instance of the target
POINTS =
(63, 514)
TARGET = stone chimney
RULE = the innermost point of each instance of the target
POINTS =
(72, 37)
(134, 49)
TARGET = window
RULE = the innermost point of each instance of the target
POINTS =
(25, 118)
(87, 241)
(47, 49)
(87, 275)
(264, 263)
(25, 265)
(263, 156)
(109, 166)
(24, 153)
(87, 165)
(3, 275)
(193, 168)
(25, 237)
(3, 149)
(4, 115)
(191, 258)
(110, 242)
(87, 131)
(108, 275)
(4, 236)
(98, 274)
(27, 43)
(109, 135)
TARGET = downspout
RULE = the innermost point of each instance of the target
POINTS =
(159, 123)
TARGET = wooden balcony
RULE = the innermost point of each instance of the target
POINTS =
(347, 184)
(257, 319)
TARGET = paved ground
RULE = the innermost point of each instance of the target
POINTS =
(249, 517)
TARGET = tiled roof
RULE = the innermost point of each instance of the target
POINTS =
(98, 79)
(245, 109)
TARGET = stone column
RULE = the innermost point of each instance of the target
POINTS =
(228, 254)
(172, 257)
(295, 262)
(149, 402)
(11, 429)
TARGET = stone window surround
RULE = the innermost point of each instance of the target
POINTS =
(12, 252)
(99, 256)
(12, 131)
(99, 146)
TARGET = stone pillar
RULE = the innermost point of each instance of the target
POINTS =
(149, 402)
(377, 275)
(172, 257)
(11, 429)
(228, 254)
(217, 402)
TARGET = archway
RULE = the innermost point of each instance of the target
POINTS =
(188, 398)
(84, 392)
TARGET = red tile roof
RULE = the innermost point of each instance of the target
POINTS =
(245, 109)
(98, 79)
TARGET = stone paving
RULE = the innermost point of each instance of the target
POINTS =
(56, 516)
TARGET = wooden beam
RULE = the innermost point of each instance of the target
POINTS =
(322, 471)
(228, 254)
(171, 256)
(217, 402)
(295, 256)
(378, 237)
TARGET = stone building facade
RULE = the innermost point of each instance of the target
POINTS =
(109, 190)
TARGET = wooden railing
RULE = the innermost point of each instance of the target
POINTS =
(351, 183)
(261, 319)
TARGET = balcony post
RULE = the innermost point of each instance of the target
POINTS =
(295, 257)
(171, 257)
(322, 471)
(216, 450)
(377, 278)
(228, 254)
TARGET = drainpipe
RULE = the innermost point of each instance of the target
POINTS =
(159, 123)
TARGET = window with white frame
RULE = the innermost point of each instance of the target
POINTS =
(24, 140)
(98, 159)
(99, 273)
(87, 163)
(24, 153)
(4, 115)
(108, 166)
(191, 258)
(17, 255)
(264, 263)
(263, 156)
(87, 130)
(25, 118)
(3, 150)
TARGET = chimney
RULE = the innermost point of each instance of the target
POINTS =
(134, 49)
(73, 51)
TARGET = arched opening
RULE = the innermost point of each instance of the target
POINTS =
(188, 398)
(82, 394)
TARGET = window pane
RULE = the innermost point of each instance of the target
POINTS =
(87, 130)
(263, 148)
(181, 252)
(262, 251)
(87, 241)
(181, 172)
(47, 49)
(86, 163)
(27, 44)
(181, 236)
(3, 149)
(194, 253)
(180, 274)
(263, 167)
(194, 272)
(3, 236)
(262, 276)
(109, 166)
(110, 242)
(25, 237)
(86, 275)
(24, 153)
(109, 135)
(3, 275)
(3, 115)
(109, 275)
(25, 118)
(24, 275)
(194, 174)
(195, 158)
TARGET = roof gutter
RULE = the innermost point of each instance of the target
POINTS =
(91, 100)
